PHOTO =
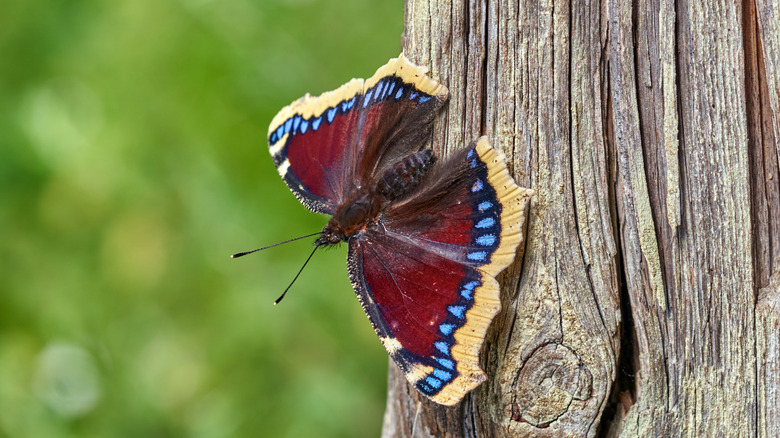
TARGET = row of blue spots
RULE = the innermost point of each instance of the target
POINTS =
(278, 133)
(379, 92)
(488, 239)
(295, 122)
(486, 234)
(434, 381)
(291, 126)
(384, 88)
(458, 311)
(440, 376)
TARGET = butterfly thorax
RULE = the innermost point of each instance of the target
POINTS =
(364, 207)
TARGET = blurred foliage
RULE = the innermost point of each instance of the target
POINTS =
(133, 162)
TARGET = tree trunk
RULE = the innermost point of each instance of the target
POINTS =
(648, 299)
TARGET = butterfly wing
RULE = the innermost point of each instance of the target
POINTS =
(325, 147)
(426, 276)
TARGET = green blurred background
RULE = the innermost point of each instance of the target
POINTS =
(133, 162)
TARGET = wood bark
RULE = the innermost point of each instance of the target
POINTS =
(647, 302)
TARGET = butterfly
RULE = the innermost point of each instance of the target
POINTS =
(426, 235)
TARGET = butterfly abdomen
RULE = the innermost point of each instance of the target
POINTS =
(405, 175)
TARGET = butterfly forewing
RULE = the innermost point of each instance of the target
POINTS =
(328, 146)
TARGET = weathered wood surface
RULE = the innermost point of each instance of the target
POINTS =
(648, 299)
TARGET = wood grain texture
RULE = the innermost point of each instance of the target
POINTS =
(639, 409)
(647, 300)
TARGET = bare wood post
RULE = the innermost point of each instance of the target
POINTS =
(648, 299)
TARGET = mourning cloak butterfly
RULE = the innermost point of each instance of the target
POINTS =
(426, 236)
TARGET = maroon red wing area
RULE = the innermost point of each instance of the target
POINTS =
(325, 158)
(319, 159)
(452, 225)
(411, 287)
(324, 147)
(416, 262)
(448, 216)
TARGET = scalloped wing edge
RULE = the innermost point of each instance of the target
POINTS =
(410, 74)
(313, 106)
(515, 203)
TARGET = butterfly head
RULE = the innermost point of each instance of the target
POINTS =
(328, 236)
(350, 217)
(331, 235)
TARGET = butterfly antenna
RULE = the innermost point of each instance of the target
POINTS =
(241, 254)
(296, 275)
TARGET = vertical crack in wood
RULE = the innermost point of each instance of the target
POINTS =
(639, 242)
(667, 40)
(762, 45)
(756, 187)
(766, 59)
(768, 12)
(483, 97)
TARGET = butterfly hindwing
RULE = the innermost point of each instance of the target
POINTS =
(426, 277)
(325, 147)
(416, 300)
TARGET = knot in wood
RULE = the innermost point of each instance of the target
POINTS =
(547, 383)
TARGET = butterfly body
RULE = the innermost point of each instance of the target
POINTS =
(364, 207)
(426, 236)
